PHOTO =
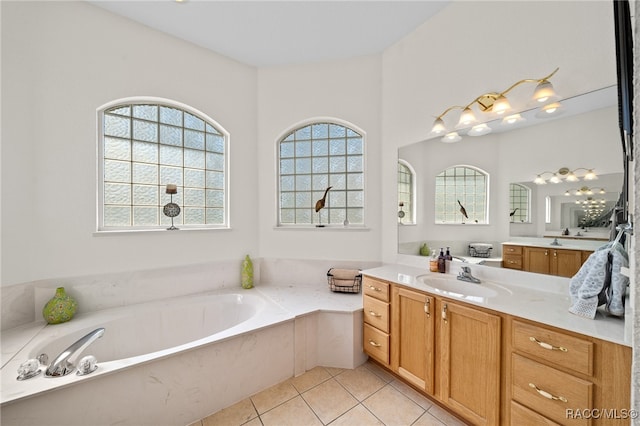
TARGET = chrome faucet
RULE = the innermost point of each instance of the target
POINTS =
(65, 362)
(461, 259)
(465, 275)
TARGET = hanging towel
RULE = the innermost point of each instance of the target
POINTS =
(599, 282)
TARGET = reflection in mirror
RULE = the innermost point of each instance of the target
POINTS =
(461, 195)
(406, 193)
(519, 203)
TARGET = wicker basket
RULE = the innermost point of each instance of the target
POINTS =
(480, 250)
(344, 285)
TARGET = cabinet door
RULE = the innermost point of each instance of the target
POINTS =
(470, 358)
(565, 263)
(412, 354)
(536, 259)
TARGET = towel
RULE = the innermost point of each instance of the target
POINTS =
(586, 287)
(343, 274)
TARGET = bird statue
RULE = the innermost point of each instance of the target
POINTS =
(513, 213)
(463, 211)
(320, 203)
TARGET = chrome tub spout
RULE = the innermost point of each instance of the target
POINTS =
(65, 363)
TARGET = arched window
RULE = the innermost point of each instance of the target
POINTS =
(519, 203)
(406, 193)
(146, 144)
(312, 158)
(462, 193)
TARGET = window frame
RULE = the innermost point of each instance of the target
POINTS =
(470, 221)
(412, 193)
(100, 181)
(522, 189)
(281, 138)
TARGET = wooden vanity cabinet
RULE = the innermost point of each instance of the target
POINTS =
(376, 314)
(512, 256)
(413, 331)
(544, 260)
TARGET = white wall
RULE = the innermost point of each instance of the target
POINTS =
(62, 60)
(474, 47)
(346, 90)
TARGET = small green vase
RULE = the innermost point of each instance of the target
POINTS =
(60, 308)
(247, 273)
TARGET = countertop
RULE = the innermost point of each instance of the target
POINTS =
(567, 244)
(546, 302)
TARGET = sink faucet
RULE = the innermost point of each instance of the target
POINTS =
(65, 362)
(461, 259)
(465, 275)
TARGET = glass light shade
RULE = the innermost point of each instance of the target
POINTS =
(451, 137)
(467, 118)
(567, 193)
(590, 175)
(479, 130)
(544, 92)
(438, 126)
(501, 105)
(602, 191)
(549, 110)
(577, 201)
(555, 178)
(512, 119)
(539, 180)
(571, 177)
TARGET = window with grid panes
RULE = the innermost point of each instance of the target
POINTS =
(519, 202)
(145, 146)
(313, 158)
(406, 184)
(462, 188)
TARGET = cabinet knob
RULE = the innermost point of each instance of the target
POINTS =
(548, 345)
(547, 394)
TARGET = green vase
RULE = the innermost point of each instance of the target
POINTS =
(247, 273)
(60, 308)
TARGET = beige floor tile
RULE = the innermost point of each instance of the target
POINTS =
(428, 420)
(234, 415)
(274, 396)
(329, 400)
(361, 382)
(444, 416)
(254, 422)
(392, 407)
(334, 371)
(358, 415)
(294, 412)
(311, 378)
(387, 377)
(198, 423)
(412, 394)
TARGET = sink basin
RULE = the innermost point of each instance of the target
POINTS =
(452, 287)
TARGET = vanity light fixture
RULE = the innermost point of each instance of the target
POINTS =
(566, 174)
(496, 103)
(585, 190)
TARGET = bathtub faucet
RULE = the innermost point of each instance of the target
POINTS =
(65, 362)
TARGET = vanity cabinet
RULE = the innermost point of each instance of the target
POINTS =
(544, 260)
(376, 314)
(413, 331)
(512, 256)
(469, 344)
(558, 377)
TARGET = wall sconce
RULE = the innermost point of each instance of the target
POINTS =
(585, 190)
(566, 174)
(496, 103)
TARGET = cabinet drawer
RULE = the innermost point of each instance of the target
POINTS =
(376, 313)
(512, 261)
(376, 288)
(563, 350)
(511, 250)
(521, 415)
(548, 391)
(376, 344)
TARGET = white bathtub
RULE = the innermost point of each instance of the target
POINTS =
(166, 362)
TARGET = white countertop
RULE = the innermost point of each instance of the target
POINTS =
(567, 244)
(545, 303)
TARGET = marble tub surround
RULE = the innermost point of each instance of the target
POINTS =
(530, 296)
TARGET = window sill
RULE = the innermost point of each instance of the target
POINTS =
(340, 228)
(113, 232)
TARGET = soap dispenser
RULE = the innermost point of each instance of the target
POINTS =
(442, 262)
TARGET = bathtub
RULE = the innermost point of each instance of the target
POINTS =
(168, 362)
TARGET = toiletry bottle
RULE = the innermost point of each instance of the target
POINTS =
(433, 262)
(448, 258)
(442, 262)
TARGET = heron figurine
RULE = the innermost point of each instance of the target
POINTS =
(320, 204)
(512, 214)
(463, 211)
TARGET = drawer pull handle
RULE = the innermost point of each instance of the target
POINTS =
(427, 308)
(374, 344)
(374, 288)
(548, 346)
(547, 394)
(444, 313)
(373, 314)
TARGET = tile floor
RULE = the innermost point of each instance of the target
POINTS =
(366, 395)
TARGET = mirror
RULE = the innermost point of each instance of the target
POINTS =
(586, 135)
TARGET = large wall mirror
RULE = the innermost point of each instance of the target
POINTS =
(586, 136)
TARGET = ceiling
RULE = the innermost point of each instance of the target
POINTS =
(269, 33)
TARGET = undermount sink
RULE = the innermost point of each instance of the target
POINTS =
(452, 287)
